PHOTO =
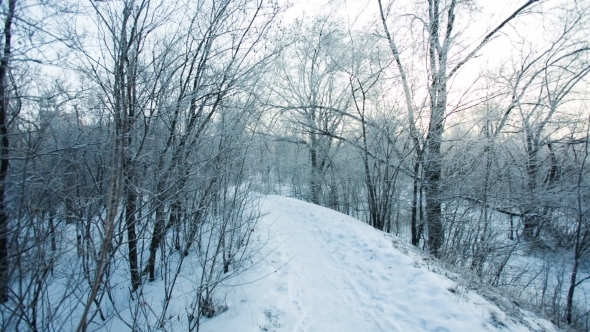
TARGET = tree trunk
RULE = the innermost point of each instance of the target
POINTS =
(315, 185)
(130, 221)
(4, 63)
(157, 236)
(372, 202)
(415, 197)
(432, 168)
(570, 292)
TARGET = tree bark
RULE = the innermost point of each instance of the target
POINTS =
(130, 221)
(4, 98)
(315, 185)
(415, 197)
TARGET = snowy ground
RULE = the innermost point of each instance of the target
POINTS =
(320, 270)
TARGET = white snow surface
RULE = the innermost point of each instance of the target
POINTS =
(320, 270)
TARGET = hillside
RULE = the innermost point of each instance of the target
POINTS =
(320, 270)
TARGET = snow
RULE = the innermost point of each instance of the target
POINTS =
(320, 270)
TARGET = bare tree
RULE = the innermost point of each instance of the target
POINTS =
(439, 26)
(311, 87)
(4, 104)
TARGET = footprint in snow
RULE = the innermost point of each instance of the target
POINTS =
(282, 289)
(271, 317)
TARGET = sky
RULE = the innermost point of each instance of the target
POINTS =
(487, 14)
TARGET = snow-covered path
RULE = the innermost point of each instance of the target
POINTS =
(325, 271)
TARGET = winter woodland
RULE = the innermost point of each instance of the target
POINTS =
(138, 137)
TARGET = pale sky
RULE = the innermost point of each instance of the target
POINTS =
(486, 15)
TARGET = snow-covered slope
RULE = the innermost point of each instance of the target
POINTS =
(320, 270)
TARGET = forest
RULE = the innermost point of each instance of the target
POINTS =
(137, 137)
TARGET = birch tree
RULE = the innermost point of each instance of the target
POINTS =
(439, 25)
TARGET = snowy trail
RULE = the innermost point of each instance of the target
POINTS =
(318, 285)
(342, 271)
(326, 271)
